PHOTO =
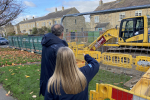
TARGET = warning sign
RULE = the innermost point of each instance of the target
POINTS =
(100, 42)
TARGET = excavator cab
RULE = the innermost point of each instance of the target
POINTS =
(131, 28)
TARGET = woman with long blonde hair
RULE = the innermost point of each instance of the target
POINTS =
(68, 81)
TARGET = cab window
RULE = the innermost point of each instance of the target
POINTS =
(131, 27)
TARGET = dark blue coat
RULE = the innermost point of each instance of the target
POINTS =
(50, 45)
(89, 71)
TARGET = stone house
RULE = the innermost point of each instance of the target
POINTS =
(110, 20)
(17, 29)
(8, 28)
(71, 24)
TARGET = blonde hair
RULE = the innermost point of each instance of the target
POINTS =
(67, 75)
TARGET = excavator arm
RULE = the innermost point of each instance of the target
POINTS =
(101, 40)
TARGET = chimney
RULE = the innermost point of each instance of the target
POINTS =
(33, 17)
(55, 9)
(118, 1)
(26, 18)
(23, 19)
(62, 8)
(100, 3)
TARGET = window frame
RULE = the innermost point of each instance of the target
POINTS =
(138, 13)
(37, 24)
(122, 15)
(96, 19)
(66, 30)
(75, 21)
(49, 23)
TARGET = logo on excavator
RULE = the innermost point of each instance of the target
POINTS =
(101, 41)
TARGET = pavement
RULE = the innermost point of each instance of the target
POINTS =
(4, 46)
(3, 94)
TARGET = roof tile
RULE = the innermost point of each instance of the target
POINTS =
(57, 14)
(121, 4)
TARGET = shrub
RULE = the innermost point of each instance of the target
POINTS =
(11, 34)
(34, 30)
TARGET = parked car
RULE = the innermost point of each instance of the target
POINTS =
(3, 41)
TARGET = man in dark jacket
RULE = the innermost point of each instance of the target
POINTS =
(51, 42)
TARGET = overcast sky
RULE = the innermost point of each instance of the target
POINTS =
(38, 8)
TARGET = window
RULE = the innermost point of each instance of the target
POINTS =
(33, 25)
(131, 27)
(96, 19)
(24, 31)
(148, 22)
(140, 24)
(55, 22)
(82, 29)
(66, 30)
(138, 13)
(75, 21)
(37, 24)
(43, 24)
(121, 16)
(50, 23)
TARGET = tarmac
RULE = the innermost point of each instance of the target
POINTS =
(3, 94)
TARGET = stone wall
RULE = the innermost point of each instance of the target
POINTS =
(113, 18)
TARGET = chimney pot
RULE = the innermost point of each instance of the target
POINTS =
(33, 17)
(62, 8)
(26, 18)
(23, 19)
(100, 2)
(55, 9)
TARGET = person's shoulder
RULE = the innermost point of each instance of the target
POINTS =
(64, 43)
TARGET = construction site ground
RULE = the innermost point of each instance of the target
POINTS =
(136, 75)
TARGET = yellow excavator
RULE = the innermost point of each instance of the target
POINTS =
(133, 32)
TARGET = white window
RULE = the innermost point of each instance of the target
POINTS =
(138, 13)
(37, 24)
(33, 25)
(55, 22)
(96, 19)
(43, 24)
(121, 16)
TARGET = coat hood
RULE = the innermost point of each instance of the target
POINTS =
(50, 39)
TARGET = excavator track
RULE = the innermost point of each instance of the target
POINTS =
(133, 51)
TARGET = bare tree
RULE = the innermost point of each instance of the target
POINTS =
(9, 10)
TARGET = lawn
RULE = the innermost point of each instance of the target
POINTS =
(109, 78)
(12, 56)
(23, 80)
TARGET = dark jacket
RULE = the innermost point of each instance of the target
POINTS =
(50, 45)
(89, 71)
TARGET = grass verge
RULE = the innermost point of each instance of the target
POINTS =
(13, 56)
(109, 78)
(23, 80)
